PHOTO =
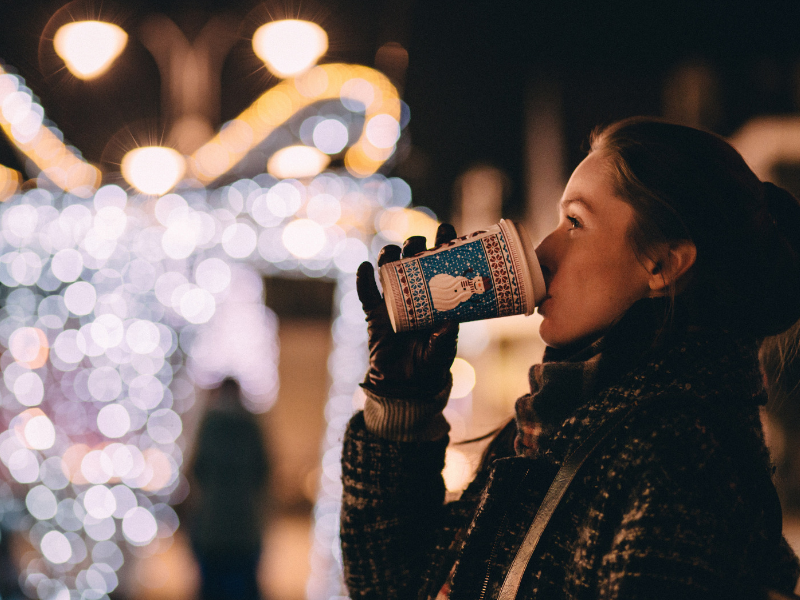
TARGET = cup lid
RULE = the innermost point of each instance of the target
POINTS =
(533, 269)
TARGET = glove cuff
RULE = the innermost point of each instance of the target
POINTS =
(404, 420)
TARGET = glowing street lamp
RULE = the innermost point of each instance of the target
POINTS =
(153, 170)
(290, 47)
(89, 48)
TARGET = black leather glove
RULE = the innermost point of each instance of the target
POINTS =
(412, 364)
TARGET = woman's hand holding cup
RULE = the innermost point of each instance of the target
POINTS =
(412, 364)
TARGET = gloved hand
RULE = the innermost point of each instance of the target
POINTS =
(412, 364)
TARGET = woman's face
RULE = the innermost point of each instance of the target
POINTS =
(591, 271)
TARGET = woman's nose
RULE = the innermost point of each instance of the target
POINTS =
(547, 253)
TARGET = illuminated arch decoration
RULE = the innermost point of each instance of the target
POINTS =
(353, 83)
(21, 119)
(110, 294)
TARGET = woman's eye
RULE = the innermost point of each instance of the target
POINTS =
(573, 222)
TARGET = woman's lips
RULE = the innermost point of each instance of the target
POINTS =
(541, 306)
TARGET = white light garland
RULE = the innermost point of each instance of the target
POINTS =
(115, 312)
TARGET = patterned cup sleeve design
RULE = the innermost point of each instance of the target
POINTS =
(482, 275)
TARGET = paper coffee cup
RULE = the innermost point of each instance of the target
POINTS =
(486, 274)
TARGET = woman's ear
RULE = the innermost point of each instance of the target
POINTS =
(674, 261)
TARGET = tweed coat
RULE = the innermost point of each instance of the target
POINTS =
(679, 504)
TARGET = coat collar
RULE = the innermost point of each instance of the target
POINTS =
(575, 390)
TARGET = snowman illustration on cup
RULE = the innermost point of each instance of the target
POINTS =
(449, 291)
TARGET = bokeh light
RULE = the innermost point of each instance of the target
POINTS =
(39, 432)
(213, 275)
(239, 240)
(41, 503)
(119, 307)
(304, 238)
(383, 131)
(397, 224)
(80, 298)
(113, 421)
(360, 90)
(28, 346)
(325, 209)
(89, 48)
(153, 170)
(457, 471)
(10, 182)
(67, 265)
(139, 526)
(28, 389)
(290, 47)
(56, 547)
(330, 136)
(463, 378)
(22, 121)
(357, 94)
(297, 162)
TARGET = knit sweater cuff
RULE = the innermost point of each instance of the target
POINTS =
(403, 420)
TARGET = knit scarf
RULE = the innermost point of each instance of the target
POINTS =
(568, 377)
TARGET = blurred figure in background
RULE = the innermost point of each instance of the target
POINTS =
(9, 575)
(226, 508)
(780, 364)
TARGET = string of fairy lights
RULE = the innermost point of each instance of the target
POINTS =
(113, 298)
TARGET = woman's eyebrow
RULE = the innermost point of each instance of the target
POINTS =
(567, 202)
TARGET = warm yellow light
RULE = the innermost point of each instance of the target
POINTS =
(397, 224)
(238, 134)
(290, 47)
(210, 160)
(153, 170)
(355, 86)
(20, 120)
(10, 181)
(89, 48)
(297, 162)
(160, 467)
(463, 378)
(71, 461)
(457, 470)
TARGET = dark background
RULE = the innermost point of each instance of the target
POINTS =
(471, 66)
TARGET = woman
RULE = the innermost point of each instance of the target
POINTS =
(670, 262)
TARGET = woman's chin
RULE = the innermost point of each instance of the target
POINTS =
(555, 336)
(547, 334)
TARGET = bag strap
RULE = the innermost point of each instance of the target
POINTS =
(557, 489)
